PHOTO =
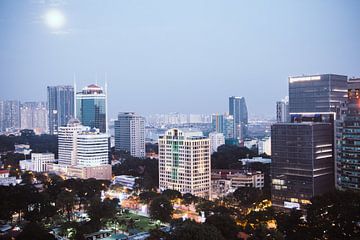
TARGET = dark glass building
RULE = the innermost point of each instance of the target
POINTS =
(348, 140)
(238, 109)
(317, 93)
(60, 106)
(302, 162)
(91, 107)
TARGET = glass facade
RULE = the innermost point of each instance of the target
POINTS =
(317, 93)
(91, 107)
(348, 141)
(60, 106)
(302, 162)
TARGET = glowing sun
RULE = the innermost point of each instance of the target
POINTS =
(54, 19)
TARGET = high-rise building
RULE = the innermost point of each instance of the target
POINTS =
(223, 123)
(302, 162)
(10, 115)
(81, 145)
(91, 107)
(238, 109)
(348, 140)
(282, 111)
(60, 106)
(216, 140)
(184, 163)
(130, 134)
(34, 116)
(317, 93)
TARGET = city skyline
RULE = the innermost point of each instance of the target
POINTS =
(222, 49)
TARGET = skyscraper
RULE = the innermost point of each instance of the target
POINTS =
(34, 116)
(223, 123)
(302, 162)
(348, 140)
(60, 106)
(130, 134)
(184, 163)
(238, 109)
(282, 111)
(91, 107)
(216, 140)
(317, 93)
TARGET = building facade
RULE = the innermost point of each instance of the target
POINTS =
(91, 107)
(184, 163)
(60, 106)
(238, 109)
(38, 162)
(130, 134)
(302, 162)
(322, 93)
(282, 111)
(34, 116)
(348, 140)
(216, 140)
(10, 115)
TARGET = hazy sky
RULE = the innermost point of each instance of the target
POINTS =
(183, 56)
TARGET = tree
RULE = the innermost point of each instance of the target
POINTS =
(248, 195)
(261, 232)
(292, 225)
(205, 206)
(227, 156)
(225, 224)
(161, 209)
(157, 234)
(171, 194)
(335, 215)
(188, 199)
(66, 201)
(148, 196)
(35, 231)
(194, 231)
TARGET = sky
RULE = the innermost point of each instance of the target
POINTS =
(176, 56)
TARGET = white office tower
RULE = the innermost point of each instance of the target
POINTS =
(216, 140)
(38, 162)
(130, 134)
(79, 145)
(282, 111)
(184, 163)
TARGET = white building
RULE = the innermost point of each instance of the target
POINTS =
(255, 159)
(282, 110)
(264, 146)
(216, 140)
(125, 180)
(130, 134)
(184, 163)
(38, 162)
(5, 180)
(34, 115)
(79, 145)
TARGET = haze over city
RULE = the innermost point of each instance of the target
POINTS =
(162, 56)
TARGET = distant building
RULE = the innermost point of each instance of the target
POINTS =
(348, 140)
(22, 149)
(216, 140)
(223, 123)
(282, 111)
(60, 106)
(302, 162)
(130, 134)
(34, 116)
(224, 181)
(101, 172)
(9, 115)
(184, 163)
(38, 162)
(264, 146)
(245, 161)
(321, 93)
(238, 109)
(91, 107)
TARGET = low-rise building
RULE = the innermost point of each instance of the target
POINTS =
(224, 181)
(101, 172)
(125, 180)
(38, 162)
(5, 179)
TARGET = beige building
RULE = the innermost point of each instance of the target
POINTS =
(184, 163)
(38, 162)
(101, 172)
